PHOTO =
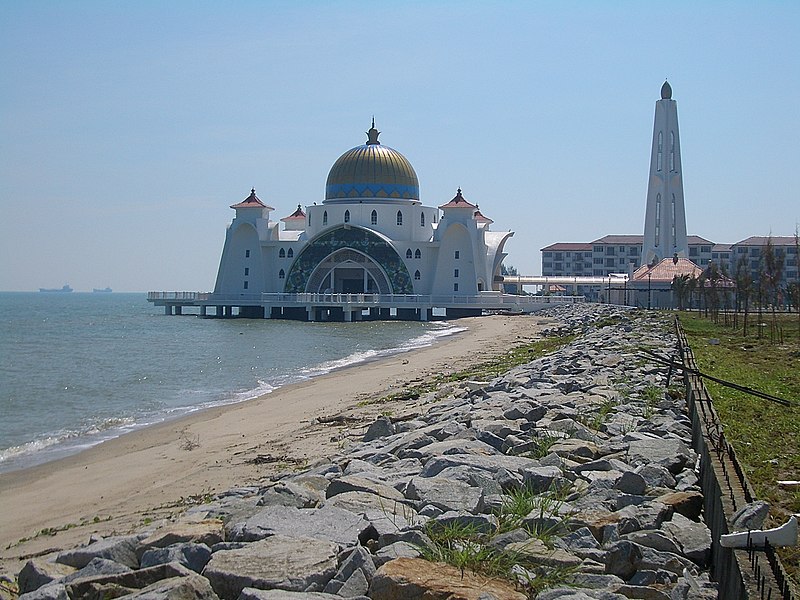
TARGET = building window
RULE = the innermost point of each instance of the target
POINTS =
(399, 217)
(325, 218)
(457, 255)
(660, 150)
(416, 275)
(409, 254)
(281, 274)
(347, 216)
(455, 273)
(436, 217)
(658, 219)
(374, 217)
(671, 150)
(281, 253)
(246, 271)
(245, 284)
(247, 253)
(693, 251)
(609, 262)
(290, 253)
(455, 287)
(417, 254)
(705, 249)
(597, 249)
(547, 254)
(309, 218)
(422, 219)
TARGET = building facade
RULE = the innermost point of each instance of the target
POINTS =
(370, 235)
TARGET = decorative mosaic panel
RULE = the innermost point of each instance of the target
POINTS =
(358, 239)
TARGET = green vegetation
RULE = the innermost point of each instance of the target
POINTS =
(524, 353)
(469, 548)
(765, 435)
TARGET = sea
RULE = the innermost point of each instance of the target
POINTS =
(80, 368)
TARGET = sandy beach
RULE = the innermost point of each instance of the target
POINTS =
(156, 472)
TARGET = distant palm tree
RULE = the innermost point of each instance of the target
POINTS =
(681, 289)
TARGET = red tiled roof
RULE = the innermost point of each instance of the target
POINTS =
(696, 239)
(251, 201)
(458, 202)
(667, 270)
(481, 218)
(620, 239)
(568, 246)
(756, 240)
(296, 215)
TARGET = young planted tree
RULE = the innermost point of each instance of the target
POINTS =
(744, 288)
(771, 274)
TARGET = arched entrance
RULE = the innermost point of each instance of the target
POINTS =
(362, 255)
(347, 271)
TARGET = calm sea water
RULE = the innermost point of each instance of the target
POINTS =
(80, 368)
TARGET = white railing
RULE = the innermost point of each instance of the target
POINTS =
(190, 296)
(484, 299)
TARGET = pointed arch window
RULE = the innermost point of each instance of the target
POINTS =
(417, 275)
(399, 217)
(324, 218)
(309, 218)
(671, 150)
(281, 274)
(281, 253)
(290, 253)
(660, 150)
(436, 217)
(409, 254)
(374, 217)
(347, 216)
(658, 220)
(674, 231)
(417, 254)
(422, 219)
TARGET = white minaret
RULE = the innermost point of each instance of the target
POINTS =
(665, 217)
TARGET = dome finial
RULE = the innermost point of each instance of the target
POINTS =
(372, 134)
(666, 91)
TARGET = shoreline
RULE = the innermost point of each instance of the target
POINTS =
(71, 445)
(151, 473)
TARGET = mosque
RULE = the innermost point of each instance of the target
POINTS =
(371, 235)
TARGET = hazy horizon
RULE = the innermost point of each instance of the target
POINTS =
(128, 129)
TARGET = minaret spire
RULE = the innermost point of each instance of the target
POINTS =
(665, 215)
(372, 134)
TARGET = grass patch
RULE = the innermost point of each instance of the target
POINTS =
(469, 549)
(766, 435)
(520, 355)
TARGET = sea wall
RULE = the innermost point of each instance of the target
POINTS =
(572, 476)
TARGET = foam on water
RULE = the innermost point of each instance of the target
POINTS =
(114, 365)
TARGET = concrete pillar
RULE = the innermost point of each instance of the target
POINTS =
(167, 309)
(423, 314)
(348, 315)
(203, 310)
(312, 314)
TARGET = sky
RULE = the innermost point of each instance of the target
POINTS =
(127, 129)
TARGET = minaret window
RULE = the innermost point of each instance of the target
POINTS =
(409, 254)
(416, 275)
(374, 218)
(399, 217)
(290, 253)
(436, 217)
(455, 272)
(325, 218)
(246, 271)
(247, 253)
(347, 216)
(309, 218)
(281, 274)
(281, 253)
(671, 150)
(660, 150)
(246, 283)
(417, 254)
(674, 233)
(658, 221)
(422, 219)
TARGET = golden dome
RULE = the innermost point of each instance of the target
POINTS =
(372, 171)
